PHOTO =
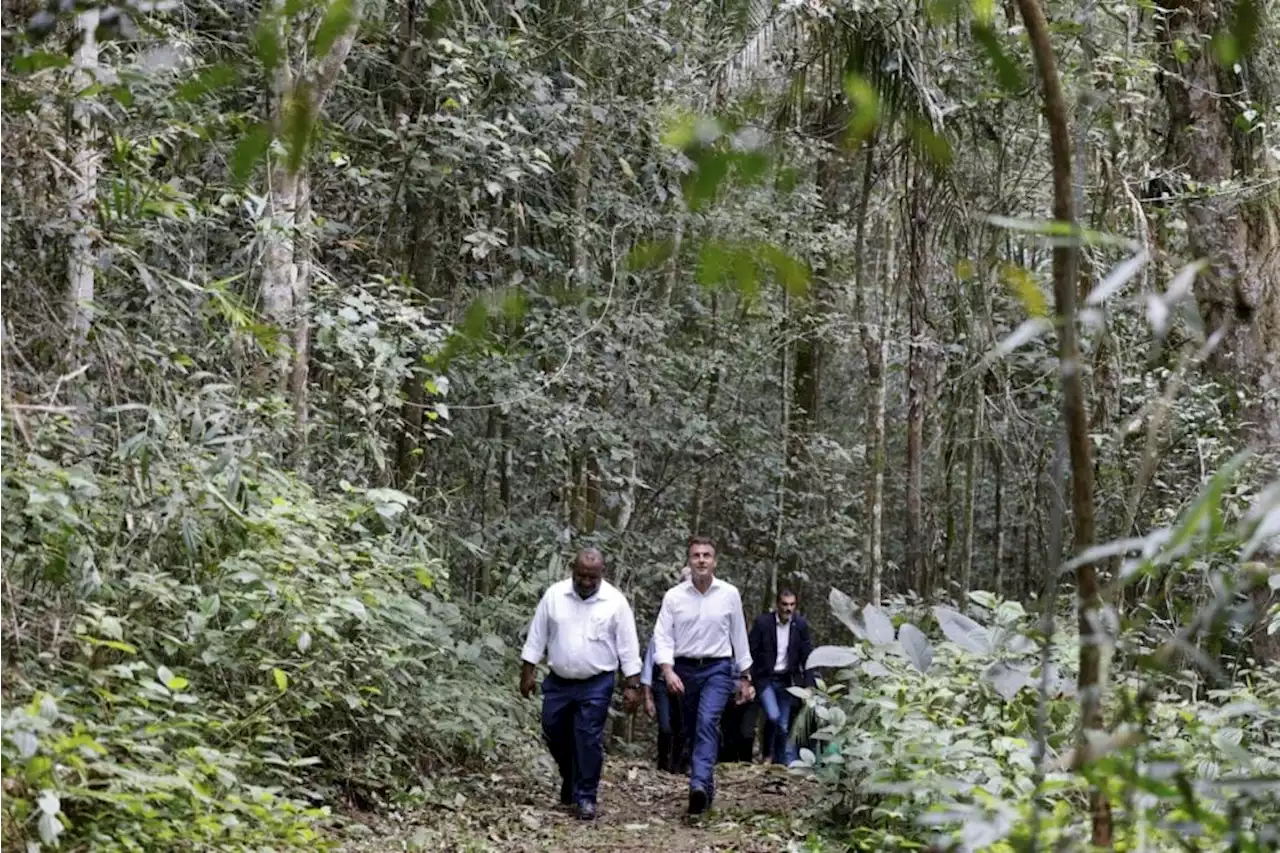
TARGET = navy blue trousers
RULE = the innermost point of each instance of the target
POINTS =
(707, 690)
(573, 718)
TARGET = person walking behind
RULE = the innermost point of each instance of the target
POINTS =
(672, 757)
(588, 631)
(657, 704)
(700, 643)
(780, 645)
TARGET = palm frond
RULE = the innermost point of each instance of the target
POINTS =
(776, 32)
(802, 50)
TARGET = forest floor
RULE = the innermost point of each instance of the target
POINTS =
(757, 809)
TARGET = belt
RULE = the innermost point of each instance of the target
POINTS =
(699, 663)
(559, 677)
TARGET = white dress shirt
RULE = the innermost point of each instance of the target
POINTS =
(694, 624)
(784, 640)
(583, 638)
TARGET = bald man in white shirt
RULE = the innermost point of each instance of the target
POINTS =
(588, 631)
(700, 642)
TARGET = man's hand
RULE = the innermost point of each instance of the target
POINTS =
(746, 691)
(527, 684)
(674, 684)
(630, 698)
(649, 708)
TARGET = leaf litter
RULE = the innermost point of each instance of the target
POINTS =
(641, 810)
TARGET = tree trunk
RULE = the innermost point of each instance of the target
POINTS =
(786, 446)
(917, 264)
(1075, 414)
(942, 579)
(713, 388)
(81, 199)
(997, 465)
(278, 269)
(302, 323)
(873, 337)
(1240, 290)
(970, 487)
(286, 263)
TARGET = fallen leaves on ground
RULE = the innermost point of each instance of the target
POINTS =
(640, 810)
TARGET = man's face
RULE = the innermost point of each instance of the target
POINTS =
(586, 577)
(702, 561)
(786, 607)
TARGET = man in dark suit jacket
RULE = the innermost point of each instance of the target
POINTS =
(780, 645)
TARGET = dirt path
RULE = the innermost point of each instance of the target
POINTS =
(640, 810)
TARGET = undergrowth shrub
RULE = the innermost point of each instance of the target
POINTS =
(205, 654)
(954, 748)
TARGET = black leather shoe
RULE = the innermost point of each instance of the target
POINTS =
(586, 811)
(697, 801)
(566, 793)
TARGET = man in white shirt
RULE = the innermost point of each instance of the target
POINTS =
(587, 630)
(700, 642)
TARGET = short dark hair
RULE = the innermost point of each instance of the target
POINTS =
(784, 592)
(700, 540)
(588, 553)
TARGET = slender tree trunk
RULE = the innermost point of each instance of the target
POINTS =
(673, 263)
(970, 487)
(278, 269)
(942, 579)
(1065, 265)
(302, 324)
(713, 388)
(871, 329)
(81, 199)
(785, 435)
(875, 340)
(581, 195)
(286, 263)
(627, 503)
(917, 230)
(997, 465)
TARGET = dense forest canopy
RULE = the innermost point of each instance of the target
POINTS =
(333, 328)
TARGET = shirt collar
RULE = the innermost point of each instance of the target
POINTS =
(715, 582)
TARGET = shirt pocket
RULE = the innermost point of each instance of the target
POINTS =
(599, 629)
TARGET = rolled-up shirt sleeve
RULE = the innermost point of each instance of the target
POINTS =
(664, 647)
(627, 640)
(535, 644)
(738, 635)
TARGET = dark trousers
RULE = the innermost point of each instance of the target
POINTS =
(573, 720)
(738, 732)
(672, 756)
(708, 688)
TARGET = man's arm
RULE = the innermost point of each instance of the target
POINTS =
(755, 642)
(738, 635)
(628, 644)
(806, 649)
(664, 645)
(535, 645)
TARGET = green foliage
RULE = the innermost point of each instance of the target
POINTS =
(956, 748)
(244, 649)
